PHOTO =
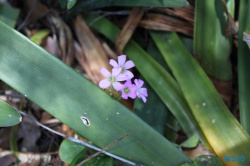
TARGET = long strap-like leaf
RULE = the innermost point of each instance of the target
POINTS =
(222, 130)
(68, 96)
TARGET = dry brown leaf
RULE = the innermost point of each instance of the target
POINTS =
(162, 22)
(127, 31)
(64, 36)
(111, 54)
(45, 117)
(185, 13)
(67, 131)
(90, 52)
(51, 45)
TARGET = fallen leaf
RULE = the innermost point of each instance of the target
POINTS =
(89, 53)
(128, 29)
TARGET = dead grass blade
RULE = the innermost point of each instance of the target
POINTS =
(90, 52)
(64, 36)
(127, 31)
(185, 13)
(182, 22)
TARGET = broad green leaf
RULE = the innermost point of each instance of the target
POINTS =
(154, 52)
(68, 96)
(8, 115)
(86, 5)
(210, 42)
(221, 129)
(70, 151)
(154, 112)
(9, 15)
(243, 65)
(157, 77)
(71, 3)
(191, 142)
(172, 126)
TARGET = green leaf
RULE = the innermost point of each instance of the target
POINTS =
(71, 3)
(191, 142)
(68, 96)
(243, 65)
(221, 129)
(154, 111)
(171, 126)
(8, 115)
(13, 141)
(9, 15)
(70, 151)
(39, 36)
(87, 5)
(210, 42)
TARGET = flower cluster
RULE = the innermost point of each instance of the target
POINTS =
(120, 73)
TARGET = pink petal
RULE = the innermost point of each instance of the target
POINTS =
(132, 94)
(128, 83)
(144, 92)
(133, 87)
(129, 74)
(104, 83)
(121, 60)
(105, 72)
(116, 71)
(122, 77)
(144, 99)
(129, 64)
(113, 63)
(124, 95)
(139, 83)
(117, 86)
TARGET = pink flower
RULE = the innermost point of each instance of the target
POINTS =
(112, 79)
(141, 92)
(128, 90)
(124, 66)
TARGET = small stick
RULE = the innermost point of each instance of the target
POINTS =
(104, 149)
(79, 141)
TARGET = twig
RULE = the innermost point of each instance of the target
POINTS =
(81, 142)
(105, 148)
